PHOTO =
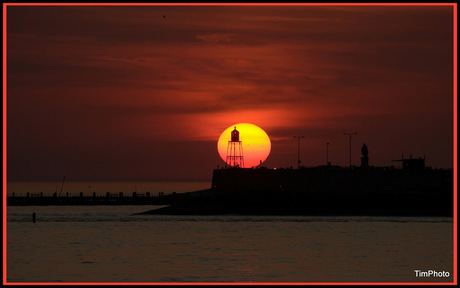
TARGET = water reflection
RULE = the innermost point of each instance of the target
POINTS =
(100, 244)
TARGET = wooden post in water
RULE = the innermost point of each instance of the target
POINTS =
(34, 217)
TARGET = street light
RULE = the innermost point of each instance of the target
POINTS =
(327, 153)
(298, 149)
(350, 135)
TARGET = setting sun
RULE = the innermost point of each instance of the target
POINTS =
(255, 143)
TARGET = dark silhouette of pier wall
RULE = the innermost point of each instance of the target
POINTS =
(323, 191)
(327, 179)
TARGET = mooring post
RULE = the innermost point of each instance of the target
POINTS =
(34, 217)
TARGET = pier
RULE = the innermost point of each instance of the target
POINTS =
(325, 190)
(109, 198)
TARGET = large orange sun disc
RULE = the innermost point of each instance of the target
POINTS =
(255, 143)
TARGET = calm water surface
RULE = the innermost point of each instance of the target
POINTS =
(109, 244)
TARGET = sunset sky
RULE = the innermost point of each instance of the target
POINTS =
(144, 92)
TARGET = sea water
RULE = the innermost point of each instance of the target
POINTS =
(91, 244)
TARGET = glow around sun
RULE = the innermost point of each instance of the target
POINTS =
(255, 142)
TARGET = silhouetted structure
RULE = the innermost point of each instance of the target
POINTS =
(365, 158)
(349, 139)
(81, 199)
(235, 150)
(324, 190)
(298, 150)
(412, 164)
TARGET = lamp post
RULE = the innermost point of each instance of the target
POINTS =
(327, 153)
(298, 149)
(350, 135)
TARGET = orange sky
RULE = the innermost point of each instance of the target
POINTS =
(124, 93)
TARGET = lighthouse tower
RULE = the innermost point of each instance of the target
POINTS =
(235, 150)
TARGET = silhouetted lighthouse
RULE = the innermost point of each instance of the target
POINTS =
(235, 150)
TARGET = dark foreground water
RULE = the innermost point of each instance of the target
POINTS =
(109, 244)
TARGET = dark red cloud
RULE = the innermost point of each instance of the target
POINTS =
(93, 90)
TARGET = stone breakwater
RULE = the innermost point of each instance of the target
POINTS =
(321, 191)
(310, 191)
